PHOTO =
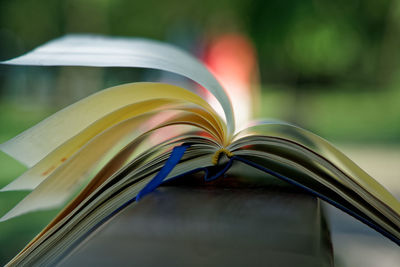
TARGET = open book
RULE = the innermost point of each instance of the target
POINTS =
(113, 147)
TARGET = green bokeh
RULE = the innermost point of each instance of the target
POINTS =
(329, 66)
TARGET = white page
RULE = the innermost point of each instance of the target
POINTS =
(102, 51)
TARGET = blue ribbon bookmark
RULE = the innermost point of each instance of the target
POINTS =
(173, 160)
(176, 155)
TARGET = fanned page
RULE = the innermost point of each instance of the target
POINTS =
(108, 121)
(34, 144)
(101, 51)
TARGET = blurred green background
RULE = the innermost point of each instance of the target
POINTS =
(330, 66)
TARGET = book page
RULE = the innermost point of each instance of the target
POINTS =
(102, 51)
(329, 152)
(34, 144)
(63, 181)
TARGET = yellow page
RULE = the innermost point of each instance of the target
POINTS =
(62, 183)
(35, 175)
(34, 144)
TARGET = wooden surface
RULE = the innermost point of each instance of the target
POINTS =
(244, 219)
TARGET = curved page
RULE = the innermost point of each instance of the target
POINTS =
(64, 181)
(101, 51)
(329, 152)
(34, 144)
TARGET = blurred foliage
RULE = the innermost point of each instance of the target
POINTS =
(308, 41)
(341, 53)
(330, 66)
